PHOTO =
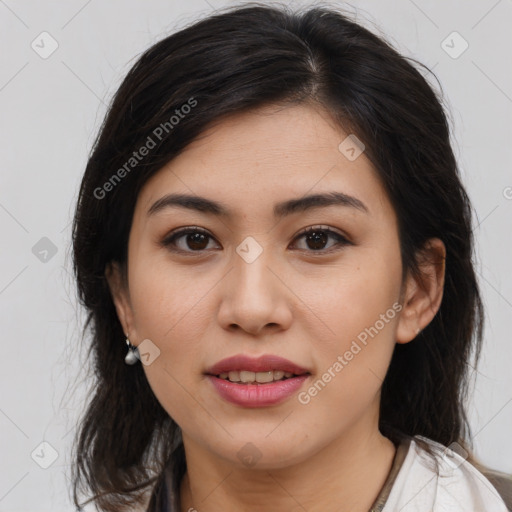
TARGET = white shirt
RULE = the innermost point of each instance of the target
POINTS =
(459, 486)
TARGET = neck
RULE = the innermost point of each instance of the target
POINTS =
(350, 471)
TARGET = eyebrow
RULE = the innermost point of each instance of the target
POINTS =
(283, 209)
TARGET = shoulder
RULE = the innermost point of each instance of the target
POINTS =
(503, 484)
(437, 478)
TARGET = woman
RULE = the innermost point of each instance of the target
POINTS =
(266, 236)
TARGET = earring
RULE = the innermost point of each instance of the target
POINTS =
(131, 356)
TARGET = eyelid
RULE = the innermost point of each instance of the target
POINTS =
(321, 227)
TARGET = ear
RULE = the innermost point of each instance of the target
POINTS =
(119, 290)
(422, 295)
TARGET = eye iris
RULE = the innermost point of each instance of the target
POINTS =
(196, 241)
(319, 238)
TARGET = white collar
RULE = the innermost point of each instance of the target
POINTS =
(445, 483)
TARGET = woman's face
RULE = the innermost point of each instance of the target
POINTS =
(251, 283)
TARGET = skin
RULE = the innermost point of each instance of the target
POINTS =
(293, 301)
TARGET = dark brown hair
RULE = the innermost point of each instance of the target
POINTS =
(240, 59)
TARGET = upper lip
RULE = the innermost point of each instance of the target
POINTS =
(263, 363)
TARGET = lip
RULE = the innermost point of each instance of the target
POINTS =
(264, 363)
(257, 395)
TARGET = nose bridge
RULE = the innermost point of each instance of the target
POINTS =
(251, 273)
(252, 298)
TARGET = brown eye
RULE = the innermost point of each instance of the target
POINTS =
(316, 238)
(194, 240)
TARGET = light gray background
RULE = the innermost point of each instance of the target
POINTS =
(51, 110)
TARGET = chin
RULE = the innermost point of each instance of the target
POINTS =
(260, 451)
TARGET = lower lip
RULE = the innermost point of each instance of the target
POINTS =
(257, 395)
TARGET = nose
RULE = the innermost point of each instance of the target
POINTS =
(255, 297)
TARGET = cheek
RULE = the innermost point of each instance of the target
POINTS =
(352, 297)
(168, 311)
(352, 366)
(167, 300)
(359, 312)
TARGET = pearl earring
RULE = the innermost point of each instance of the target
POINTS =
(132, 355)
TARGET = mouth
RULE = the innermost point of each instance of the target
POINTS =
(248, 377)
(256, 382)
(244, 370)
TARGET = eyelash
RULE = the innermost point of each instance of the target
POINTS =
(170, 240)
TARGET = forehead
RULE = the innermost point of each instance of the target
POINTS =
(268, 155)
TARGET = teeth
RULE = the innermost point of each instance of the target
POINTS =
(247, 376)
(251, 377)
(234, 376)
(279, 374)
